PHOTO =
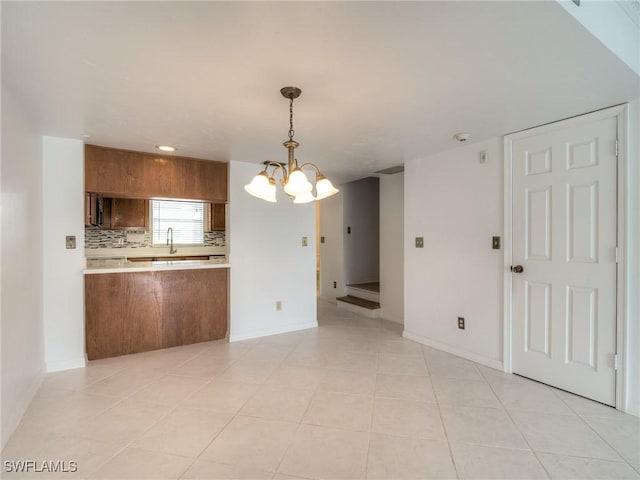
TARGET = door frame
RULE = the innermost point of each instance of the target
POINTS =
(620, 112)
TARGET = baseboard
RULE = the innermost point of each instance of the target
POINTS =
(66, 365)
(632, 409)
(12, 423)
(331, 300)
(271, 331)
(474, 357)
(391, 319)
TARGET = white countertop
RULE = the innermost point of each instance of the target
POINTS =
(96, 266)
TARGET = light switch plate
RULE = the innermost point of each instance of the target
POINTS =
(419, 242)
(305, 241)
(71, 242)
(321, 239)
(495, 243)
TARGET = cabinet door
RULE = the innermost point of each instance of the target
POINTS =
(218, 217)
(194, 306)
(123, 313)
(114, 173)
(106, 213)
(129, 213)
(89, 207)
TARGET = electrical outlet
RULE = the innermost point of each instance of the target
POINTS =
(495, 243)
(305, 241)
(71, 242)
(349, 230)
(483, 156)
(278, 305)
(461, 323)
(419, 242)
(321, 239)
(335, 284)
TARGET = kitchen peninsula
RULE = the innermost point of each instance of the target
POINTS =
(139, 295)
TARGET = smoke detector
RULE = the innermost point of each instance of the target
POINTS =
(462, 137)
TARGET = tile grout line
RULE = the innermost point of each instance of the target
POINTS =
(153, 424)
(444, 428)
(373, 409)
(622, 457)
(504, 408)
(284, 454)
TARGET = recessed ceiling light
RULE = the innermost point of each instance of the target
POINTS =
(166, 148)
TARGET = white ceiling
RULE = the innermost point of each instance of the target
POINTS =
(383, 82)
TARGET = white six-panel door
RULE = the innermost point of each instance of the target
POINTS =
(564, 238)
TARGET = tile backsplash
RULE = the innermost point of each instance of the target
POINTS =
(95, 238)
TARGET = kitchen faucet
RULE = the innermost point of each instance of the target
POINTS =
(170, 241)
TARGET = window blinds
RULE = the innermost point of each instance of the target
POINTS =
(186, 219)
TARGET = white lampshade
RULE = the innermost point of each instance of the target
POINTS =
(324, 188)
(259, 186)
(270, 192)
(297, 183)
(304, 198)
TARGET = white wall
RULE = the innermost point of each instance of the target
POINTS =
(268, 261)
(332, 250)
(392, 247)
(632, 364)
(21, 263)
(611, 23)
(456, 204)
(63, 214)
(361, 204)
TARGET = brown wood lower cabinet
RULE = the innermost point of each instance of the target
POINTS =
(137, 312)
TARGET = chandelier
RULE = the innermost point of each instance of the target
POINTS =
(294, 181)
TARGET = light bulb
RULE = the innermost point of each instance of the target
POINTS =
(324, 187)
(297, 183)
(304, 198)
(166, 148)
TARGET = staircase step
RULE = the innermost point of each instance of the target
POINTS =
(367, 291)
(371, 286)
(360, 302)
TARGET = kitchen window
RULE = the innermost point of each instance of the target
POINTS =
(185, 218)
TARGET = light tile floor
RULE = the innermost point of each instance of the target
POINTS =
(351, 399)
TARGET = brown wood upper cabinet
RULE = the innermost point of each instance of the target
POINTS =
(129, 213)
(217, 219)
(116, 213)
(122, 173)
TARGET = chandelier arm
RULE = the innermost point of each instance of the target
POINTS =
(313, 165)
(277, 166)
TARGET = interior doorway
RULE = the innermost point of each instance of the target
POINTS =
(562, 286)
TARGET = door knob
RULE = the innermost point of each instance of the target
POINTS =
(517, 269)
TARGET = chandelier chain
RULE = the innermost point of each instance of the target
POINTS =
(291, 131)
